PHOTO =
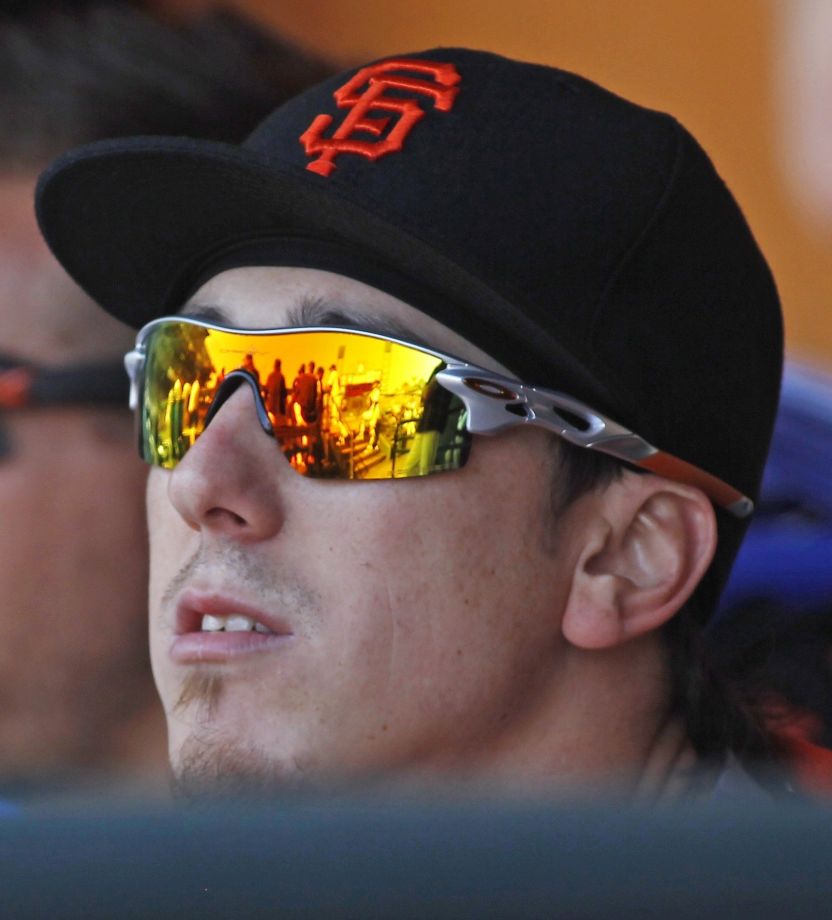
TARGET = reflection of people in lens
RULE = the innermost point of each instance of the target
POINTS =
(276, 391)
(371, 417)
(436, 402)
(319, 392)
(332, 403)
(331, 387)
(305, 395)
(248, 365)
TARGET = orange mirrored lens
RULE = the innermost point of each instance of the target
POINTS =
(343, 405)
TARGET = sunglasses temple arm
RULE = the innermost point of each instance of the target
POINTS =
(496, 403)
(671, 467)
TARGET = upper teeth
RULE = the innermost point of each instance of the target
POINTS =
(234, 623)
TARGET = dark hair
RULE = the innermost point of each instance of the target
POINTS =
(779, 656)
(717, 719)
(73, 73)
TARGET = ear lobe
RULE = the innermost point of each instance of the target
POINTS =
(642, 561)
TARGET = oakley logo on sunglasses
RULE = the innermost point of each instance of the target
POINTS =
(364, 95)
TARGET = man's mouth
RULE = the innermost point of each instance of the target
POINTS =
(235, 622)
(211, 627)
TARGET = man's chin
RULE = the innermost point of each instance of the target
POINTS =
(207, 769)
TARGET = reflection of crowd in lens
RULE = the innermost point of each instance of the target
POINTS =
(333, 423)
(248, 365)
(304, 400)
(305, 405)
(275, 395)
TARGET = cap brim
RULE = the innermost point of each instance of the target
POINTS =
(134, 220)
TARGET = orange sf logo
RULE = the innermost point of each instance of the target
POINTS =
(364, 94)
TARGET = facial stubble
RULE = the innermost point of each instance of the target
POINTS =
(209, 764)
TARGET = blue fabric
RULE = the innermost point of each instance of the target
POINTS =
(786, 563)
(799, 468)
(787, 554)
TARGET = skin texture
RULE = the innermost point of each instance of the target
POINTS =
(75, 691)
(441, 626)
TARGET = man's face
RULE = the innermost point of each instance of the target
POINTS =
(419, 619)
(72, 543)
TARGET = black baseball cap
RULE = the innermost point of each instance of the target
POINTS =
(585, 242)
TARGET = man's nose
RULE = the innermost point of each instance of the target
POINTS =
(228, 483)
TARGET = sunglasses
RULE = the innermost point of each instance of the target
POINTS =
(31, 386)
(347, 404)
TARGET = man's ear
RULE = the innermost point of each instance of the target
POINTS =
(647, 543)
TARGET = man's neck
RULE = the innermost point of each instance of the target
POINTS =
(601, 723)
(671, 770)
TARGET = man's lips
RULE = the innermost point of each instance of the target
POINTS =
(212, 627)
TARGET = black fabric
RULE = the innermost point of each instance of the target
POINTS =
(584, 242)
(310, 252)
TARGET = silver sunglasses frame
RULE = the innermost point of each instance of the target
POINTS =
(496, 403)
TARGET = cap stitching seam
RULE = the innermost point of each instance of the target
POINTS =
(640, 240)
(645, 231)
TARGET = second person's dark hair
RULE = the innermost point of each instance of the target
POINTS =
(75, 73)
